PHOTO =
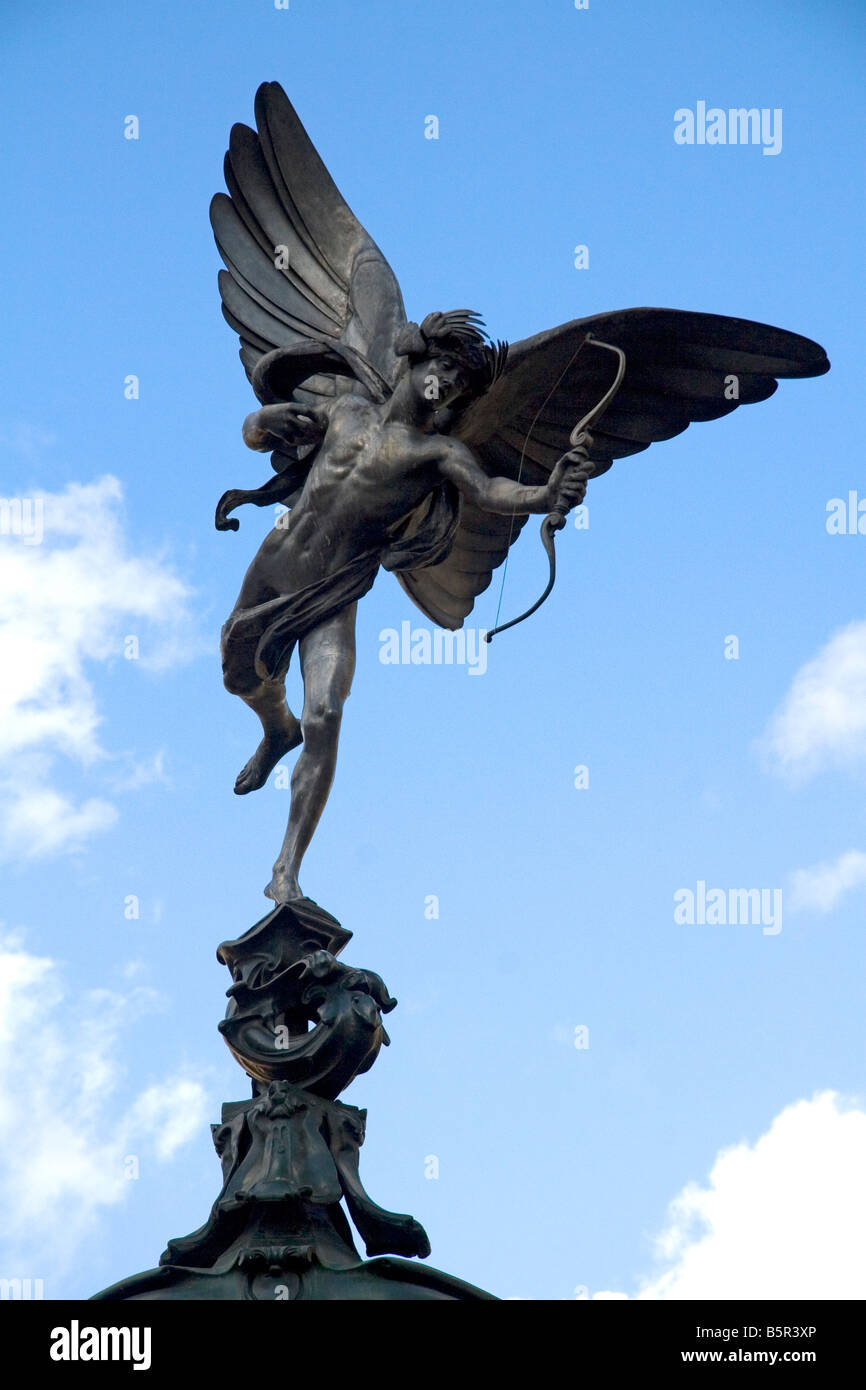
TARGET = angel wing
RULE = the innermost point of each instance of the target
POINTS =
(299, 265)
(681, 367)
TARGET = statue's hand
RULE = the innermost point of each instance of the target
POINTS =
(567, 485)
(226, 504)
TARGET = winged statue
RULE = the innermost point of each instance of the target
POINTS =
(419, 448)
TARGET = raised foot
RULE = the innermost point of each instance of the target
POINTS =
(260, 766)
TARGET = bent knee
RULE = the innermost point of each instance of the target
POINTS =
(238, 663)
(240, 679)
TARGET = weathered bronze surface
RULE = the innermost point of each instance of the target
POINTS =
(290, 1154)
(422, 449)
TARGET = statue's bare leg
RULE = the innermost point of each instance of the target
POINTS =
(327, 664)
(282, 731)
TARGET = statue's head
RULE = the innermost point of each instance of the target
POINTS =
(450, 360)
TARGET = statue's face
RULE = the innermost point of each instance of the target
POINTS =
(439, 380)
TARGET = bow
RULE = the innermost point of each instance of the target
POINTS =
(578, 439)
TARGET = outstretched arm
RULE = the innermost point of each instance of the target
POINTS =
(565, 488)
(278, 489)
(273, 427)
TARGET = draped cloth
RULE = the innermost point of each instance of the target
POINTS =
(272, 629)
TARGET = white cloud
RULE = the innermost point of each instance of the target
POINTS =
(38, 821)
(64, 1137)
(782, 1218)
(821, 887)
(822, 720)
(71, 590)
(128, 773)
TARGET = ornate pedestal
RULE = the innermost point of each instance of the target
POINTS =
(302, 1025)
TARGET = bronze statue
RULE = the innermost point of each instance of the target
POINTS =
(422, 449)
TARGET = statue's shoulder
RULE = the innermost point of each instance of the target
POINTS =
(350, 405)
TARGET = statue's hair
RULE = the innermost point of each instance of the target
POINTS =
(460, 333)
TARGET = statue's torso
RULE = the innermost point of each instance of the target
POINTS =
(367, 475)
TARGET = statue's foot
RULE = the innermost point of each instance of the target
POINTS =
(267, 755)
(283, 887)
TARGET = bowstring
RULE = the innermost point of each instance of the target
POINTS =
(540, 411)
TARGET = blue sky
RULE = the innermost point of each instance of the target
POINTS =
(556, 905)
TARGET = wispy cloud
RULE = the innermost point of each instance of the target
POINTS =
(822, 719)
(67, 603)
(66, 1137)
(821, 887)
(26, 440)
(37, 821)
